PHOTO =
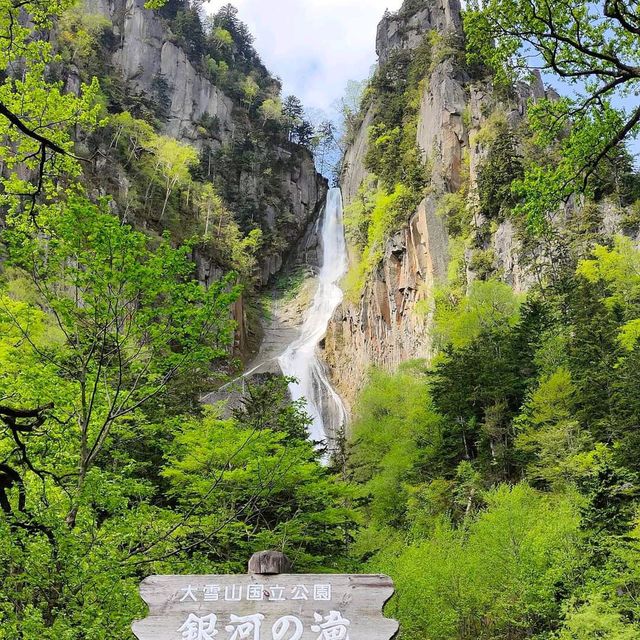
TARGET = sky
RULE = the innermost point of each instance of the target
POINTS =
(314, 46)
(317, 46)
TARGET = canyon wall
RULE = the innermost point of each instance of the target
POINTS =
(393, 320)
(150, 63)
(149, 60)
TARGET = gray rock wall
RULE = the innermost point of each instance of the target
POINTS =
(145, 53)
(354, 171)
(391, 323)
(406, 29)
(393, 320)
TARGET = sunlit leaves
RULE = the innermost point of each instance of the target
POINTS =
(619, 269)
(489, 306)
(591, 45)
(40, 154)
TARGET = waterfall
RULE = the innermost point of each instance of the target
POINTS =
(300, 360)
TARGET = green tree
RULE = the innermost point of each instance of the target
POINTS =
(222, 39)
(254, 482)
(394, 443)
(489, 306)
(497, 579)
(293, 113)
(128, 318)
(497, 172)
(250, 90)
(173, 160)
(326, 134)
(549, 434)
(572, 40)
(37, 118)
(271, 110)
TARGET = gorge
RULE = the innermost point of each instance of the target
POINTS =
(423, 364)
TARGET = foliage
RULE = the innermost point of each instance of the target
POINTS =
(396, 438)
(488, 307)
(393, 153)
(496, 579)
(192, 209)
(271, 109)
(118, 473)
(173, 160)
(369, 222)
(254, 482)
(619, 269)
(499, 483)
(129, 316)
(497, 172)
(78, 31)
(37, 116)
(185, 494)
(350, 107)
(110, 468)
(571, 40)
(454, 208)
(298, 128)
(549, 434)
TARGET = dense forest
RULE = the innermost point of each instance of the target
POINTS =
(497, 482)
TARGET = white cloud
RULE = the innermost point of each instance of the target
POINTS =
(314, 46)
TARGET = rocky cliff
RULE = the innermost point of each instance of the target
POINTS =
(150, 62)
(393, 319)
(266, 180)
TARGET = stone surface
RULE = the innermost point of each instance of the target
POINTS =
(442, 136)
(144, 54)
(354, 171)
(393, 320)
(269, 563)
(406, 29)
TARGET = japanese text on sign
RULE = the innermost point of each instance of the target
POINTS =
(327, 627)
(255, 593)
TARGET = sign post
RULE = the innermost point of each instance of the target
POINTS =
(266, 605)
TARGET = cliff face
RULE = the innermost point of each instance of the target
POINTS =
(278, 189)
(393, 320)
(406, 28)
(151, 63)
(145, 53)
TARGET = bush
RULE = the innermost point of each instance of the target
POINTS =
(499, 579)
(370, 221)
(455, 210)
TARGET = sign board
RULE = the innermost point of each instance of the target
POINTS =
(266, 607)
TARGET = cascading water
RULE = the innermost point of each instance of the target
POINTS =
(300, 360)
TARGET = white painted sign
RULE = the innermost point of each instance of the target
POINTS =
(259, 607)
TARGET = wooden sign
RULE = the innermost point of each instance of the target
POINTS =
(266, 607)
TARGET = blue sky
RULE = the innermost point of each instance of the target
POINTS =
(314, 46)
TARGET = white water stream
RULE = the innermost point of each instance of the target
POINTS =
(300, 360)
